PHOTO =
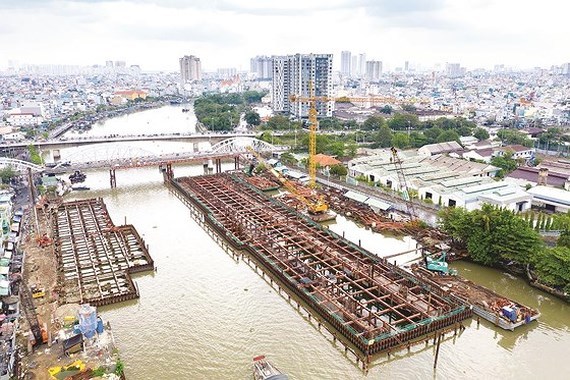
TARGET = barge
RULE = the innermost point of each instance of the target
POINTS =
(499, 310)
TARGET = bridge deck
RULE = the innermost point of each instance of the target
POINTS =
(95, 256)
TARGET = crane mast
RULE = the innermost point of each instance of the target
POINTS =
(312, 99)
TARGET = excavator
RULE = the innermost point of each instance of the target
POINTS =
(318, 207)
(438, 264)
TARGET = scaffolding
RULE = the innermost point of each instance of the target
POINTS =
(96, 257)
(375, 305)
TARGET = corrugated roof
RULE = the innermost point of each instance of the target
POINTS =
(356, 196)
(372, 202)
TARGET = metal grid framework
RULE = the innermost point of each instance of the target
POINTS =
(376, 305)
(95, 256)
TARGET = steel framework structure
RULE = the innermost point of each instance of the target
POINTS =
(375, 305)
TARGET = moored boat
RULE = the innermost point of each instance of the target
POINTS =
(77, 177)
(264, 370)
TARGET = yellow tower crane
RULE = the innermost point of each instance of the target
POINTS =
(312, 100)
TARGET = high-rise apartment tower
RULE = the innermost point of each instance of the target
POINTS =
(293, 74)
(345, 63)
(190, 68)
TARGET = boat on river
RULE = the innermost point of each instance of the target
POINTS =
(77, 177)
(264, 370)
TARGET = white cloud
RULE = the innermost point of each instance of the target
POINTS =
(226, 33)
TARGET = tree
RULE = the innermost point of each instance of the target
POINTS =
(278, 122)
(506, 162)
(383, 138)
(400, 140)
(330, 123)
(511, 136)
(373, 123)
(386, 110)
(35, 157)
(339, 170)
(480, 134)
(403, 121)
(432, 134)
(7, 173)
(252, 118)
(417, 139)
(491, 234)
(253, 96)
(287, 158)
(553, 267)
(350, 149)
(448, 135)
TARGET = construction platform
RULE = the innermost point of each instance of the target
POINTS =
(373, 304)
(96, 257)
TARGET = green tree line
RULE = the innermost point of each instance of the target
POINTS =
(494, 235)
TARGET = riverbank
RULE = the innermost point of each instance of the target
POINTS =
(86, 121)
(67, 344)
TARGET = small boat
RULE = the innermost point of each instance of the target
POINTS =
(264, 370)
(80, 188)
(77, 177)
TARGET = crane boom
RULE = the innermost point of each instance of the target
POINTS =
(317, 207)
(403, 183)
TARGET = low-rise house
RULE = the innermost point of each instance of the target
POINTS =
(550, 199)
(524, 176)
(472, 193)
(440, 148)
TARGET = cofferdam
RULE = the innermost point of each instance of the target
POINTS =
(373, 304)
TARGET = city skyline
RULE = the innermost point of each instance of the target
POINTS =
(227, 34)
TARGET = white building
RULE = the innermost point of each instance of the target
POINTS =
(21, 119)
(345, 63)
(373, 70)
(262, 67)
(294, 75)
(190, 68)
(439, 148)
(443, 180)
(551, 199)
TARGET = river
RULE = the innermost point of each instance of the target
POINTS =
(201, 315)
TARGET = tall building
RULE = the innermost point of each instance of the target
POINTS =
(453, 70)
(190, 68)
(407, 66)
(345, 63)
(361, 64)
(354, 65)
(373, 70)
(292, 75)
(566, 69)
(262, 66)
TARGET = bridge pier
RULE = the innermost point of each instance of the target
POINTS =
(113, 178)
(169, 171)
(218, 165)
(236, 162)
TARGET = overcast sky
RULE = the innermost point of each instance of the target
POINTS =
(227, 33)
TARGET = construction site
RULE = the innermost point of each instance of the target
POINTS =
(96, 257)
(374, 305)
(75, 259)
